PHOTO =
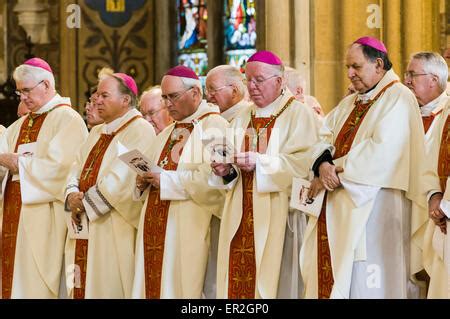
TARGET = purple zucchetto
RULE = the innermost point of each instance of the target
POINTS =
(265, 57)
(39, 63)
(128, 81)
(373, 43)
(183, 72)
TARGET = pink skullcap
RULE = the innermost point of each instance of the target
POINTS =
(182, 72)
(39, 63)
(265, 57)
(128, 81)
(373, 43)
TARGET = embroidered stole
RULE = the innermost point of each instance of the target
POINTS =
(242, 262)
(428, 120)
(343, 145)
(88, 178)
(444, 156)
(157, 212)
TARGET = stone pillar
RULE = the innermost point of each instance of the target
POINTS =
(278, 29)
(68, 56)
(166, 45)
(215, 34)
(302, 40)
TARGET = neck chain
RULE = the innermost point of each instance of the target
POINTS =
(175, 138)
(31, 119)
(256, 134)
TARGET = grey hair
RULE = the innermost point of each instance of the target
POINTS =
(232, 75)
(151, 89)
(104, 73)
(27, 72)
(294, 78)
(190, 83)
(435, 64)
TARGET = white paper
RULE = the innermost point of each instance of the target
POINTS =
(139, 163)
(221, 150)
(77, 231)
(300, 200)
(121, 149)
(26, 150)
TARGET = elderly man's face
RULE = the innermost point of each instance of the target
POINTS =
(33, 94)
(419, 82)
(263, 83)
(363, 73)
(154, 111)
(111, 104)
(180, 101)
(92, 116)
(219, 92)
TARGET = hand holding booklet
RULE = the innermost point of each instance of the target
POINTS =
(301, 201)
(220, 148)
(139, 163)
(77, 231)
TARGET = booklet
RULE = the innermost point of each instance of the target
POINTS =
(77, 231)
(300, 200)
(139, 163)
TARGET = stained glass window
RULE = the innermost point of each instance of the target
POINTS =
(240, 31)
(192, 30)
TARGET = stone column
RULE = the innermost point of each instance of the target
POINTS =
(279, 29)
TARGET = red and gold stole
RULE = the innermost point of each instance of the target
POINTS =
(88, 178)
(428, 120)
(444, 156)
(157, 210)
(343, 145)
(242, 262)
(12, 202)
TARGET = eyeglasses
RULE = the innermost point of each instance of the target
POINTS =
(412, 75)
(154, 112)
(173, 97)
(259, 82)
(27, 91)
(214, 91)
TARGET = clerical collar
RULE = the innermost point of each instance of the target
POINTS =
(117, 123)
(367, 95)
(432, 107)
(270, 109)
(203, 108)
(57, 99)
(231, 113)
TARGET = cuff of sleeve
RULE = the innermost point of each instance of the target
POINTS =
(431, 193)
(445, 207)
(264, 181)
(138, 195)
(95, 204)
(171, 187)
(325, 157)
(226, 182)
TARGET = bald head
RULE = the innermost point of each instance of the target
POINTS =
(225, 86)
(296, 83)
